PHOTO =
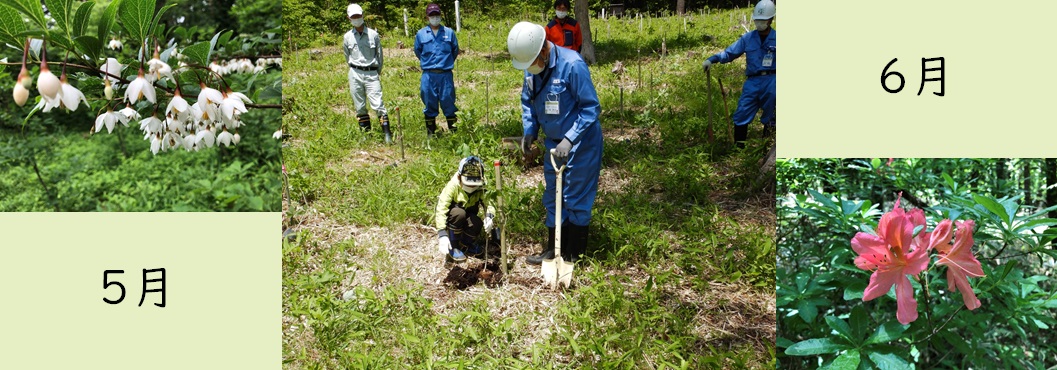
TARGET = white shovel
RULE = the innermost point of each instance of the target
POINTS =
(556, 271)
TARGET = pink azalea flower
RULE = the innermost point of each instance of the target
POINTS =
(960, 262)
(891, 255)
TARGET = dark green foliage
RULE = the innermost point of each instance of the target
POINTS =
(819, 289)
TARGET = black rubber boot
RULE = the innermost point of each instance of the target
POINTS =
(577, 243)
(768, 131)
(431, 126)
(385, 129)
(451, 123)
(365, 122)
(740, 132)
(548, 251)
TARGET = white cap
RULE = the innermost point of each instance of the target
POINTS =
(764, 10)
(354, 9)
(525, 42)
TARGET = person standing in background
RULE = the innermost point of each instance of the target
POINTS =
(436, 48)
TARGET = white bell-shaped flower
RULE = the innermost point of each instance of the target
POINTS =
(224, 138)
(233, 104)
(155, 144)
(47, 84)
(140, 89)
(127, 114)
(70, 97)
(111, 69)
(151, 125)
(115, 44)
(108, 119)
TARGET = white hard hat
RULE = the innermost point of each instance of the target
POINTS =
(764, 10)
(524, 43)
(356, 9)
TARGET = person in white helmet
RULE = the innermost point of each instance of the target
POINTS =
(559, 97)
(363, 53)
(760, 66)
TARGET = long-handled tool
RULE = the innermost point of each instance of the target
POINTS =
(500, 218)
(555, 270)
(400, 126)
(711, 134)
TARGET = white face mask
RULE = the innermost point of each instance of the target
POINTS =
(761, 25)
(357, 22)
(434, 21)
(561, 14)
(534, 69)
(469, 189)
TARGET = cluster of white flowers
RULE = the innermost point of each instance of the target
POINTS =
(213, 119)
(244, 65)
(55, 92)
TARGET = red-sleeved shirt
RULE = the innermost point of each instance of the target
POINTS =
(565, 33)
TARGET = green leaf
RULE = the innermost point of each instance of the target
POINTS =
(157, 18)
(885, 361)
(823, 199)
(136, 17)
(30, 8)
(107, 22)
(11, 25)
(808, 311)
(1036, 223)
(957, 342)
(859, 321)
(842, 328)
(886, 333)
(197, 53)
(783, 343)
(814, 347)
(61, 11)
(80, 20)
(847, 361)
(90, 45)
(992, 206)
(876, 162)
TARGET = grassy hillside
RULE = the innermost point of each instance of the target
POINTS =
(680, 269)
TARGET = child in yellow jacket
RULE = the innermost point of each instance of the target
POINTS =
(457, 211)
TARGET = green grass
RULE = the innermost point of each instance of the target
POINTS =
(681, 244)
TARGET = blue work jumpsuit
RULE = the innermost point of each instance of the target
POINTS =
(567, 81)
(758, 91)
(436, 53)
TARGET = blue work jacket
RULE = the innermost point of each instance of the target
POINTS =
(755, 51)
(436, 51)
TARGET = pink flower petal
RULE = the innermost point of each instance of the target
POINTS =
(881, 282)
(872, 250)
(907, 311)
(957, 280)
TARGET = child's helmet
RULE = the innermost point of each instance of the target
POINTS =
(472, 171)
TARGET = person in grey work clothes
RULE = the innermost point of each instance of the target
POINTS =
(363, 52)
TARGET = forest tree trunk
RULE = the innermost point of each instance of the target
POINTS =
(680, 7)
(1025, 178)
(1051, 189)
(583, 15)
(1000, 173)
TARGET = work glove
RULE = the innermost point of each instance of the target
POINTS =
(526, 144)
(443, 244)
(706, 64)
(488, 224)
(561, 152)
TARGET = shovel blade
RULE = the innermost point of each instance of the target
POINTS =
(565, 273)
(557, 272)
(549, 270)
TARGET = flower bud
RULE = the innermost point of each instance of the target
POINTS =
(21, 94)
(24, 78)
(108, 91)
